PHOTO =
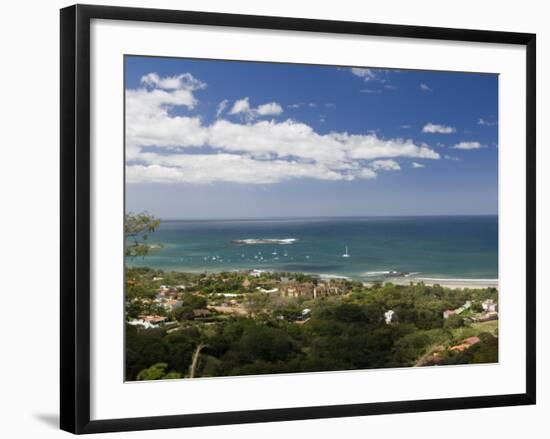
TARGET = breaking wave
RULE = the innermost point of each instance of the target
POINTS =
(256, 241)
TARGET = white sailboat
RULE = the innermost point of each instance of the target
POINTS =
(346, 254)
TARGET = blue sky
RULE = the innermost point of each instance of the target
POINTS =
(229, 139)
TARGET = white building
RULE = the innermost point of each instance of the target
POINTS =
(389, 316)
(263, 290)
(145, 324)
(489, 305)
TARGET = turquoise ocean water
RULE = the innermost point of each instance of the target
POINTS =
(457, 247)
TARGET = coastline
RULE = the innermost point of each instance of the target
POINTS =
(447, 283)
(452, 283)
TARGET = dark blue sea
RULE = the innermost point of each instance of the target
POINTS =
(454, 247)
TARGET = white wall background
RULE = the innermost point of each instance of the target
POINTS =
(29, 209)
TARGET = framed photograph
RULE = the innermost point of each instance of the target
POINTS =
(268, 219)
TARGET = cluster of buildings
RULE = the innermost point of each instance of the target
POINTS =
(489, 306)
(310, 290)
(450, 312)
(168, 297)
(435, 358)
(490, 309)
(467, 343)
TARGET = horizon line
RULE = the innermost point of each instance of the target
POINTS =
(323, 217)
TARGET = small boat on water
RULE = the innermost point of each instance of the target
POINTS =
(346, 254)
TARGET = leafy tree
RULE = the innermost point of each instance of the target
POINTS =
(194, 302)
(190, 302)
(256, 302)
(486, 351)
(265, 343)
(137, 228)
(454, 321)
(157, 372)
(134, 309)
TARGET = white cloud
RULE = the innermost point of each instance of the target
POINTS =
(271, 108)
(296, 139)
(366, 173)
(378, 90)
(158, 96)
(482, 121)
(405, 127)
(184, 81)
(378, 77)
(440, 129)
(145, 102)
(417, 165)
(365, 74)
(468, 145)
(242, 106)
(425, 87)
(234, 168)
(167, 132)
(451, 157)
(308, 104)
(221, 107)
(385, 165)
(262, 151)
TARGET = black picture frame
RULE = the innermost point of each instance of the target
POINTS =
(75, 217)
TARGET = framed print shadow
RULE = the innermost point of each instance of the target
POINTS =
(268, 219)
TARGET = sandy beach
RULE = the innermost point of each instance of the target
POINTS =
(448, 283)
